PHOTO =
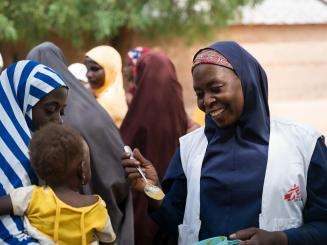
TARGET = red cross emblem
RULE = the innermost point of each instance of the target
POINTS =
(293, 194)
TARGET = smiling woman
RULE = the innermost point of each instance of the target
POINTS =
(236, 176)
(25, 87)
(219, 93)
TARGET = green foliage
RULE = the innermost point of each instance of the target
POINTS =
(76, 20)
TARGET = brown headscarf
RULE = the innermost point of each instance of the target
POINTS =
(85, 115)
(155, 121)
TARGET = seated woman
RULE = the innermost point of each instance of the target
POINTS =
(243, 175)
(31, 96)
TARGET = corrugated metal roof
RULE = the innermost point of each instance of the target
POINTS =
(287, 12)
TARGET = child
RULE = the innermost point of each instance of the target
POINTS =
(57, 213)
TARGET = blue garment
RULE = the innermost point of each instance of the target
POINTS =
(23, 84)
(217, 221)
(240, 148)
(234, 164)
(237, 154)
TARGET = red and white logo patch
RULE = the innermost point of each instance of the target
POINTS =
(293, 194)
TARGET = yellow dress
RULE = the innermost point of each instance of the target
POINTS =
(60, 222)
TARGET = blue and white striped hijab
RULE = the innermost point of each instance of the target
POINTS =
(23, 84)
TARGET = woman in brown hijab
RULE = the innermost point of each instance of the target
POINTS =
(154, 122)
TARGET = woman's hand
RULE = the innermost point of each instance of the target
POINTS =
(133, 174)
(255, 236)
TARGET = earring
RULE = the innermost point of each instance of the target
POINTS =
(83, 179)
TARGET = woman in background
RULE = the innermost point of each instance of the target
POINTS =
(130, 71)
(104, 73)
(154, 122)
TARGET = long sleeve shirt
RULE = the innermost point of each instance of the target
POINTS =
(230, 199)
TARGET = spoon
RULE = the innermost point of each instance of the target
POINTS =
(150, 190)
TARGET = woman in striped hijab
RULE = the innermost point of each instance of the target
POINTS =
(31, 95)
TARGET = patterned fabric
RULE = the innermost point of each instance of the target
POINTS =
(23, 84)
(134, 55)
(209, 56)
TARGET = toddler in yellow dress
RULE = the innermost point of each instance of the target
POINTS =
(57, 213)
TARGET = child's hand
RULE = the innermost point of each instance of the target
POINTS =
(133, 174)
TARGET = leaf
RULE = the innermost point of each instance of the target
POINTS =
(99, 20)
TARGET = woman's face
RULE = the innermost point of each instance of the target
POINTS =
(50, 108)
(95, 73)
(219, 93)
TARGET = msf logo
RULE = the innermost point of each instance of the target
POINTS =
(293, 194)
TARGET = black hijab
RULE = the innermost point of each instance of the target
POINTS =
(85, 114)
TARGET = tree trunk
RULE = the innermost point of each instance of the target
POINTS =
(123, 41)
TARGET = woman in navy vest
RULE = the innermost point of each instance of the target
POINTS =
(260, 180)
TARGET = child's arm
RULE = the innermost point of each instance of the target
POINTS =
(104, 231)
(107, 235)
(6, 205)
(17, 201)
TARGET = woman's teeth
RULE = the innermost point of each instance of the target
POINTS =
(217, 112)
